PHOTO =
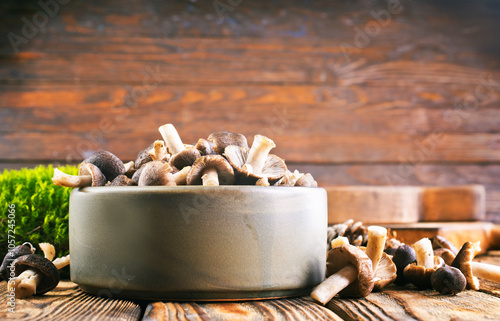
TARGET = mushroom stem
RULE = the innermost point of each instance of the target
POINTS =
(181, 176)
(339, 240)
(210, 177)
(25, 284)
(63, 179)
(425, 253)
(159, 151)
(376, 243)
(334, 284)
(61, 262)
(258, 153)
(48, 250)
(262, 182)
(486, 271)
(171, 138)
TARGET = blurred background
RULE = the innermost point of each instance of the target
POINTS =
(355, 92)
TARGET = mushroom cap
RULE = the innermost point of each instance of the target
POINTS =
(98, 178)
(23, 249)
(122, 180)
(462, 262)
(185, 158)
(341, 256)
(156, 173)
(446, 254)
(385, 273)
(274, 167)
(143, 157)
(137, 174)
(220, 140)
(439, 241)
(306, 180)
(448, 280)
(205, 147)
(419, 276)
(110, 165)
(404, 255)
(224, 170)
(48, 271)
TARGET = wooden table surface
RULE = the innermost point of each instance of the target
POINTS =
(68, 302)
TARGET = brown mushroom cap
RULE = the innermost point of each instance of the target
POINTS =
(462, 262)
(48, 271)
(20, 250)
(439, 242)
(385, 273)
(306, 180)
(274, 167)
(184, 158)
(205, 147)
(98, 178)
(220, 140)
(110, 165)
(448, 280)
(419, 276)
(224, 170)
(446, 254)
(341, 256)
(143, 157)
(122, 180)
(156, 173)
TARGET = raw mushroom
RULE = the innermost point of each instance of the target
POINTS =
(440, 242)
(220, 140)
(122, 180)
(306, 180)
(181, 156)
(473, 270)
(159, 151)
(181, 176)
(211, 170)
(88, 175)
(49, 250)
(257, 155)
(130, 169)
(137, 175)
(339, 240)
(34, 274)
(446, 254)
(419, 274)
(448, 280)
(20, 250)
(156, 173)
(274, 167)
(404, 256)
(349, 274)
(205, 147)
(110, 165)
(384, 269)
(143, 157)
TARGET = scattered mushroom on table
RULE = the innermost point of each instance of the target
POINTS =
(349, 274)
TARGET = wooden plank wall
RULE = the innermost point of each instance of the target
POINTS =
(356, 92)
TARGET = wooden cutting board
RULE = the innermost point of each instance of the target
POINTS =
(405, 204)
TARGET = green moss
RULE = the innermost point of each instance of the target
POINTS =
(41, 208)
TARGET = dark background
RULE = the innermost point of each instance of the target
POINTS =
(355, 92)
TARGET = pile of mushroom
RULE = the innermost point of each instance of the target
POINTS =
(224, 158)
(31, 274)
(356, 271)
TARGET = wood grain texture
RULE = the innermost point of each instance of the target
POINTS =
(66, 302)
(281, 309)
(340, 99)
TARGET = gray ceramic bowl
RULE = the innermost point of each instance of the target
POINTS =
(198, 243)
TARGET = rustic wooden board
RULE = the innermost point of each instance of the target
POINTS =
(66, 302)
(281, 309)
(456, 232)
(405, 204)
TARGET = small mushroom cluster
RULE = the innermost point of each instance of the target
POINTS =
(30, 274)
(224, 158)
(355, 271)
(437, 264)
